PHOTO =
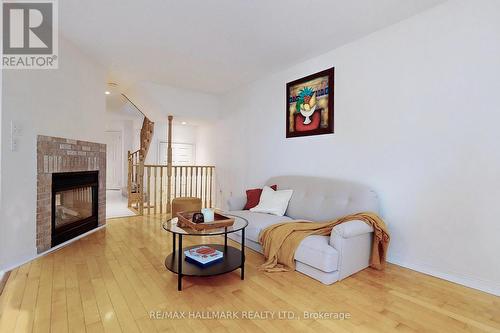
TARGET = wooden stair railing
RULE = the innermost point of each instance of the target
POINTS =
(151, 188)
(136, 161)
(135, 181)
(186, 181)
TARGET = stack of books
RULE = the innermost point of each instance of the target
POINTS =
(203, 256)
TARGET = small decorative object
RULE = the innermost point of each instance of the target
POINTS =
(309, 103)
(198, 218)
(208, 214)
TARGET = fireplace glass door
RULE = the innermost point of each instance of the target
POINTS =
(73, 205)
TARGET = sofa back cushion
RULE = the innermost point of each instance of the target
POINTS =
(321, 199)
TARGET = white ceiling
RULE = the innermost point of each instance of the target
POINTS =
(118, 107)
(213, 46)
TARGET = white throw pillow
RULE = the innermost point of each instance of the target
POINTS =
(273, 202)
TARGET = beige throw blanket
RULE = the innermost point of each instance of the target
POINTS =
(280, 241)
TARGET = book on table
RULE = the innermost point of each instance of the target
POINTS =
(203, 256)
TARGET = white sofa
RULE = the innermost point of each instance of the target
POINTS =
(324, 258)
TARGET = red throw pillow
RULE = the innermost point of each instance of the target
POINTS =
(253, 196)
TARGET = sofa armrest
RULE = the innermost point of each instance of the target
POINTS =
(351, 229)
(236, 203)
(352, 240)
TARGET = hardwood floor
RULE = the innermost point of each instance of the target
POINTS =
(113, 279)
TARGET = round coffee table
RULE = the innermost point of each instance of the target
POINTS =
(233, 258)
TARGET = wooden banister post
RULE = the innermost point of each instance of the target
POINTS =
(169, 164)
(129, 179)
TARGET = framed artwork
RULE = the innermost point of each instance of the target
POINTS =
(309, 105)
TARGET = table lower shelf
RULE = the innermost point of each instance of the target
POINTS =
(232, 260)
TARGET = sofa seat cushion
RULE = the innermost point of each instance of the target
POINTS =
(258, 222)
(316, 251)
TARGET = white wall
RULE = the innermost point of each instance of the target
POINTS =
(416, 117)
(205, 144)
(2, 234)
(198, 135)
(158, 101)
(130, 133)
(199, 110)
(68, 102)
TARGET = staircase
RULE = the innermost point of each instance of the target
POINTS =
(136, 197)
(147, 131)
(152, 187)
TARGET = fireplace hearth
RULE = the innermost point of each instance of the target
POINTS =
(74, 204)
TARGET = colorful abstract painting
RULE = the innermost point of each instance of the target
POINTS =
(310, 105)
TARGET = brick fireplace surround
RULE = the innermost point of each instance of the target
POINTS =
(64, 155)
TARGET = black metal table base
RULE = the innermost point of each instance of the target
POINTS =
(233, 259)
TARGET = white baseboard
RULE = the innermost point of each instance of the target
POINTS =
(490, 287)
(55, 248)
